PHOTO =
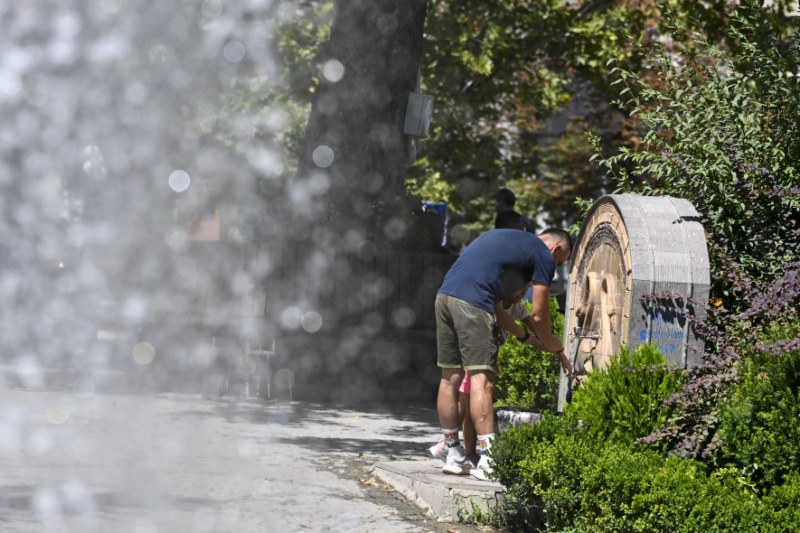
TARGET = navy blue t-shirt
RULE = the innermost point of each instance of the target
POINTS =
(497, 264)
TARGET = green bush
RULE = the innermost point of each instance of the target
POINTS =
(781, 511)
(630, 489)
(561, 478)
(530, 461)
(528, 377)
(759, 422)
(624, 401)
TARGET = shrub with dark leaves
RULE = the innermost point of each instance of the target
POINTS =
(724, 133)
(767, 327)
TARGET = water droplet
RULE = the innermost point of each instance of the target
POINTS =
(319, 183)
(40, 442)
(265, 161)
(395, 228)
(10, 83)
(275, 120)
(76, 497)
(374, 182)
(311, 322)
(144, 526)
(323, 156)
(327, 104)
(367, 251)
(203, 356)
(234, 51)
(287, 11)
(144, 353)
(136, 93)
(176, 239)
(179, 180)
(333, 70)
(46, 503)
(94, 163)
(134, 308)
(110, 7)
(292, 317)
(284, 379)
(404, 317)
(83, 386)
(158, 53)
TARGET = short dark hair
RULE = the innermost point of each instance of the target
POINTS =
(561, 236)
(508, 219)
(505, 196)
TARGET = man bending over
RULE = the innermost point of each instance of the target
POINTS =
(491, 272)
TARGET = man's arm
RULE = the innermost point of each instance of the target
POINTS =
(533, 341)
(542, 322)
(508, 322)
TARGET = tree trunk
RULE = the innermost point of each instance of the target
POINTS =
(354, 139)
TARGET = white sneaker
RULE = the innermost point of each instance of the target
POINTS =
(457, 462)
(484, 469)
(439, 450)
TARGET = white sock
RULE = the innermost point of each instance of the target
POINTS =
(451, 443)
(485, 443)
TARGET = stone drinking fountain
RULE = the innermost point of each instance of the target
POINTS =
(639, 265)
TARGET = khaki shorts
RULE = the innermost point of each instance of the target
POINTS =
(466, 337)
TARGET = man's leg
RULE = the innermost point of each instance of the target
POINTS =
(480, 400)
(482, 385)
(449, 360)
(447, 399)
(468, 337)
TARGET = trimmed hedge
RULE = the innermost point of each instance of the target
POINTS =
(560, 478)
(565, 474)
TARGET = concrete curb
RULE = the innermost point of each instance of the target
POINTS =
(444, 497)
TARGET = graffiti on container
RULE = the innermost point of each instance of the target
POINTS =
(665, 326)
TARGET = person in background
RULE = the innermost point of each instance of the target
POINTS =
(471, 308)
(504, 202)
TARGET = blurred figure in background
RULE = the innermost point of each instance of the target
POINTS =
(504, 201)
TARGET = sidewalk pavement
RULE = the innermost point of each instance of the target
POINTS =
(91, 462)
(448, 498)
